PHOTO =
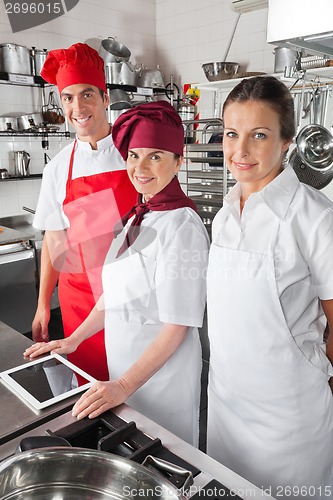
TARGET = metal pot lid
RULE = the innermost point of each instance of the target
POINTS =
(315, 146)
(308, 175)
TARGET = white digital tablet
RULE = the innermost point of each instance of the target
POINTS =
(45, 381)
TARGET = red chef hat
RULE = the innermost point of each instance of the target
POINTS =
(80, 63)
(150, 125)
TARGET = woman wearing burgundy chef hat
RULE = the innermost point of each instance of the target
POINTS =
(153, 282)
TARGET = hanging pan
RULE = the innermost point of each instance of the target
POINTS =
(315, 147)
(306, 173)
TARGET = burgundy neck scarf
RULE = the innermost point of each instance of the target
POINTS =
(170, 198)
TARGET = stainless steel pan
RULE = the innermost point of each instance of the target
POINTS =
(307, 174)
(315, 146)
(81, 474)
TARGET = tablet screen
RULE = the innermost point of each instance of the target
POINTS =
(47, 380)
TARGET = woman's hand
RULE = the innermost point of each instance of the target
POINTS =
(63, 346)
(101, 397)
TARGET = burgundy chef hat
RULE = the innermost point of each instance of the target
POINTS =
(80, 63)
(151, 125)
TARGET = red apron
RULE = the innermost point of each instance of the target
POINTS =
(93, 204)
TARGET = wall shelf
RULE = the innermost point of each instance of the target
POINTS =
(16, 79)
(324, 75)
(22, 177)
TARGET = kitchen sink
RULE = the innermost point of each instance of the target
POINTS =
(22, 223)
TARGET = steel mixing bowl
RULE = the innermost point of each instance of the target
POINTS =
(215, 71)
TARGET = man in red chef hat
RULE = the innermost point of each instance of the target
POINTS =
(85, 189)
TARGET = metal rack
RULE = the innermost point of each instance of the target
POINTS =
(207, 178)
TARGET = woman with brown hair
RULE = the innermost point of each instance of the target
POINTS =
(270, 295)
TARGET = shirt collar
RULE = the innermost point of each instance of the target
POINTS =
(101, 145)
(277, 195)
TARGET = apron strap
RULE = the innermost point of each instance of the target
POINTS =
(70, 169)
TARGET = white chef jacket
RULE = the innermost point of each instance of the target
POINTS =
(49, 213)
(303, 251)
(159, 279)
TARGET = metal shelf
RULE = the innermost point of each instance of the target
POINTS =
(17, 79)
(205, 174)
(208, 200)
(203, 148)
(35, 134)
(218, 160)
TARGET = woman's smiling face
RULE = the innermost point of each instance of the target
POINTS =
(252, 143)
(150, 170)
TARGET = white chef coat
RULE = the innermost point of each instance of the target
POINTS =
(270, 408)
(49, 212)
(159, 279)
(303, 250)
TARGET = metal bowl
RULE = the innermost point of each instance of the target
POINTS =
(215, 71)
(315, 146)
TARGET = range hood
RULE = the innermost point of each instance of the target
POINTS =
(300, 24)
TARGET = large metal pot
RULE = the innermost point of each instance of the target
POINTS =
(113, 51)
(119, 99)
(120, 73)
(31, 120)
(150, 78)
(37, 60)
(284, 58)
(15, 59)
(79, 474)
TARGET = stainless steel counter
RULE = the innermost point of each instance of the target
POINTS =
(17, 416)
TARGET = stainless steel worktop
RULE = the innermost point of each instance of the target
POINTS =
(18, 416)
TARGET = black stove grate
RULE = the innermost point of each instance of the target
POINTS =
(110, 433)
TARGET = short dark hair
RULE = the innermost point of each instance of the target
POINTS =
(274, 93)
(102, 93)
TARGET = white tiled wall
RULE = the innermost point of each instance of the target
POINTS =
(179, 35)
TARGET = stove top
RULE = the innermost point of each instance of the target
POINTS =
(129, 434)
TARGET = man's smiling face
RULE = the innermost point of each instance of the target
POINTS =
(85, 109)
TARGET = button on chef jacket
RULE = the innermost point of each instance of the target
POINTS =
(270, 407)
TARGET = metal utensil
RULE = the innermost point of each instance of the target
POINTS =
(315, 146)
(216, 71)
(113, 51)
(308, 175)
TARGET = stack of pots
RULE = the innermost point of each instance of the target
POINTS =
(21, 60)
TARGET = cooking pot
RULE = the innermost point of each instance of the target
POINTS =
(284, 57)
(119, 99)
(31, 120)
(149, 78)
(115, 113)
(120, 73)
(8, 124)
(15, 59)
(79, 474)
(113, 51)
(37, 57)
(315, 146)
